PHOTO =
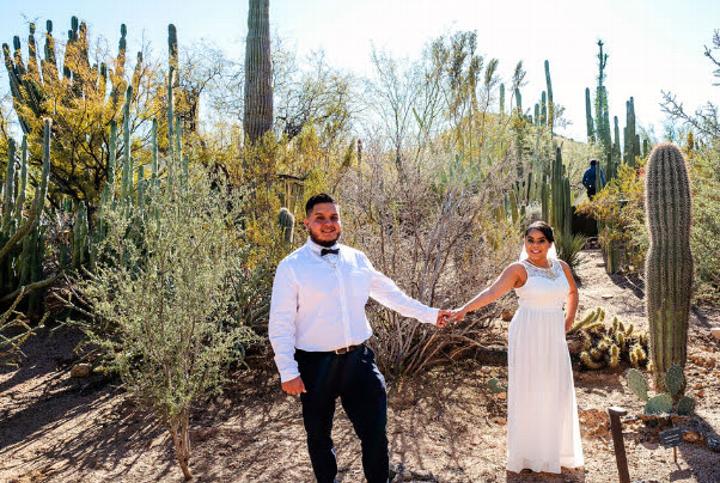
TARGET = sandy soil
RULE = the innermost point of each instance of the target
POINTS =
(443, 426)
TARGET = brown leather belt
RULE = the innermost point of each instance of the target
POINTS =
(345, 350)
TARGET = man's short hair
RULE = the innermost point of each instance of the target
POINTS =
(593, 162)
(316, 200)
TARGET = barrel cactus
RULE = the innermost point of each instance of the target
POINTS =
(669, 262)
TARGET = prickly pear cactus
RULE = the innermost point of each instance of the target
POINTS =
(637, 383)
(686, 406)
(662, 403)
(675, 380)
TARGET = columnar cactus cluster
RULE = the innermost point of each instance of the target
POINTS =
(22, 245)
(134, 184)
(561, 198)
(669, 262)
(631, 149)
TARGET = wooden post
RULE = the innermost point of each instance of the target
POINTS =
(620, 456)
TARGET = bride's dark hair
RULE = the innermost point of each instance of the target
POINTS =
(542, 227)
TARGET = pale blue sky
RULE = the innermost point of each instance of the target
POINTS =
(653, 45)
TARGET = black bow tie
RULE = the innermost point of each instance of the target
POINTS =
(325, 251)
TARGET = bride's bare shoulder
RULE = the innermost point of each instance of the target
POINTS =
(518, 269)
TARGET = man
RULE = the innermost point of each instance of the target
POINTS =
(318, 330)
(590, 178)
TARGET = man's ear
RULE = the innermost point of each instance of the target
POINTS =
(306, 222)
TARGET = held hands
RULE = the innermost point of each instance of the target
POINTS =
(294, 387)
(446, 317)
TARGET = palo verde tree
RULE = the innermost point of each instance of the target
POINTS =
(82, 99)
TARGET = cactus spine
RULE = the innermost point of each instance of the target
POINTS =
(669, 262)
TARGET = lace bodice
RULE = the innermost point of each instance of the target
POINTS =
(545, 288)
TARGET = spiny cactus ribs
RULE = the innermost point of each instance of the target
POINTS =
(669, 262)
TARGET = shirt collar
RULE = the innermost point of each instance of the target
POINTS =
(315, 248)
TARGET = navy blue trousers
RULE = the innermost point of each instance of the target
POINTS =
(356, 379)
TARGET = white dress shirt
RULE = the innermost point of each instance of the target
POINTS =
(318, 303)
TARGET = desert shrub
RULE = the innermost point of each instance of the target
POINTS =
(158, 297)
(620, 210)
(704, 172)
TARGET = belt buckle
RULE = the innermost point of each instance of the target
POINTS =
(342, 350)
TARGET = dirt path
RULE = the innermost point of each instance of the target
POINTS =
(443, 427)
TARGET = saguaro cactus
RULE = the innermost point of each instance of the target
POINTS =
(669, 262)
(258, 112)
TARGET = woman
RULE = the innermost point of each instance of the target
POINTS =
(543, 427)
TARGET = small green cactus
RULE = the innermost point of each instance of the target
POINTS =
(675, 380)
(637, 383)
(685, 406)
(662, 403)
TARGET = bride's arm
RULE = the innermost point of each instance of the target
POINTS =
(572, 300)
(508, 279)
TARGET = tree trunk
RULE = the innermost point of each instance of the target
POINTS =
(180, 431)
(258, 109)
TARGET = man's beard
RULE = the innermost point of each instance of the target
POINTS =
(324, 243)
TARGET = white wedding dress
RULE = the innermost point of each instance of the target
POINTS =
(543, 427)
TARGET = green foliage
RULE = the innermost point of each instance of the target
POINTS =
(618, 208)
(159, 297)
(705, 174)
(569, 248)
(669, 263)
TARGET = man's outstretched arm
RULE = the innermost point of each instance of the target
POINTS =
(387, 293)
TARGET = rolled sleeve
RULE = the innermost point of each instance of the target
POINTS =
(281, 330)
(387, 293)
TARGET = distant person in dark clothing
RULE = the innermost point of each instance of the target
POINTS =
(590, 178)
